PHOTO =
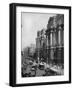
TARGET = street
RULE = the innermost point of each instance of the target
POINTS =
(33, 69)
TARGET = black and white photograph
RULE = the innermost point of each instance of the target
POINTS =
(40, 44)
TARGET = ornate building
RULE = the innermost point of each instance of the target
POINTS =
(55, 39)
(50, 42)
(41, 45)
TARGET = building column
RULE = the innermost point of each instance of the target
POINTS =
(60, 48)
(54, 44)
(47, 49)
(59, 38)
(51, 39)
(51, 46)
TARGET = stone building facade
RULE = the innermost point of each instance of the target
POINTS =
(41, 45)
(50, 42)
(55, 36)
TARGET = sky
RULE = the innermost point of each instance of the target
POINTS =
(31, 23)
